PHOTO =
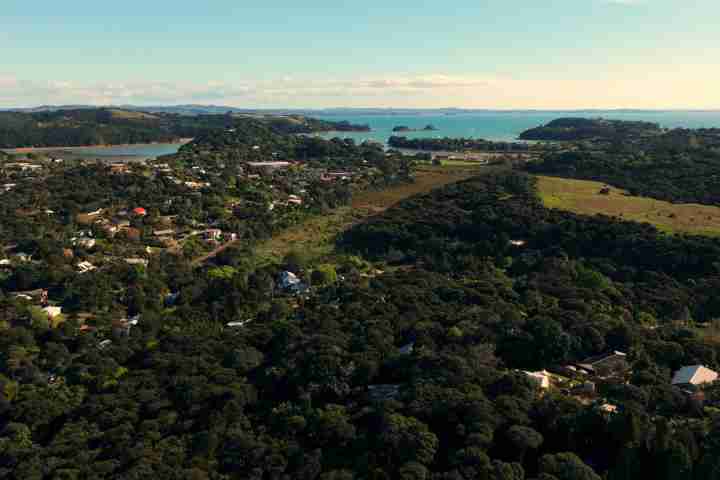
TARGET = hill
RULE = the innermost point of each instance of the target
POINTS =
(104, 126)
(592, 198)
(675, 173)
(574, 129)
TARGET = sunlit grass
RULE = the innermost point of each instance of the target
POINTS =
(584, 197)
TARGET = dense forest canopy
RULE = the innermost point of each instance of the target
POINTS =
(102, 126)
(401, 365)
(454, 144)
(572, 129)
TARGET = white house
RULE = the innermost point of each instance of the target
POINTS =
(541, 378)
(84, 267)
(52, 312)
(694, 375)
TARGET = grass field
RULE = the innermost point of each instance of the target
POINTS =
(130, 115)
(583, 197)
(316, 236)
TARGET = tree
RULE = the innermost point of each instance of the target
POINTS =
(524, 439)
(408, 439)
(567, 466)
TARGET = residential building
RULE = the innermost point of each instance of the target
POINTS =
(84, 267)
(607, 364)
(137, 261)
(541, 378)
(52, 312)
(693, 376)
(267, 167)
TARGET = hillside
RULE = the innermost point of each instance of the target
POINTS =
(405, 354)
(104, 126)
(675, 174)
(573, 129)
(592, 198)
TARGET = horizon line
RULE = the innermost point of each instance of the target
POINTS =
(388, 108)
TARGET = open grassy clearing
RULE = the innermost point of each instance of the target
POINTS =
(315, 237)
(583, 197)
(130, 115)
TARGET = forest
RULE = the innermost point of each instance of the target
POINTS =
(574, 129)
(402, 362)
(454, 144)
(106, 126)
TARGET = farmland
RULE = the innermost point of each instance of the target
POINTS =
(584, 197)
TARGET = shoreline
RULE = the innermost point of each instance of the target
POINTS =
(180, 141)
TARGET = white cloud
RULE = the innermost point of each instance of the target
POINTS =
(691, 86)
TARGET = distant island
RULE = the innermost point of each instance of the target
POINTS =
(403, 128)
(116, 126)
(574, 129)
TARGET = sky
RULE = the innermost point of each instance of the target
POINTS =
(499, 54)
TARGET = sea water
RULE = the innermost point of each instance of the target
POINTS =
(501, 126)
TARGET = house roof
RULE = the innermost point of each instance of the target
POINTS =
(694, 375)
(601, 358)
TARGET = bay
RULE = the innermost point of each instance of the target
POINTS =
(499, 126)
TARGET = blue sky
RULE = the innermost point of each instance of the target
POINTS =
(282, 53)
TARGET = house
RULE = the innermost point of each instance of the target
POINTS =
(291, 283)
(693, 376)
(212, 234)
(331, 176)
(288, 280)
(110, 230)
(239, 324)
(608, 408)
(84, 267)
(121, 328)
(267, 167)
(407, 349)
(52, 312)
(94, 213)
(541, 378)
(40, 295)
(84, 242)
(607, 364)
(295, 200)
(171, 298)
(23, 257)
(118, 168)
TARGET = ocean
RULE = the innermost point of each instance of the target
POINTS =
(502, 126)
(498, 126)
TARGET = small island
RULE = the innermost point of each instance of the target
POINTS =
(403, 128)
